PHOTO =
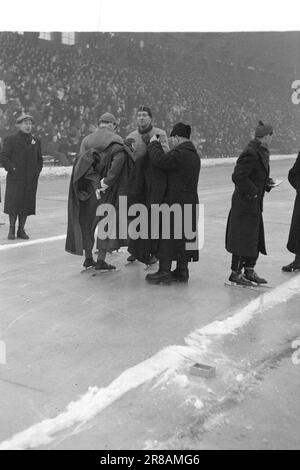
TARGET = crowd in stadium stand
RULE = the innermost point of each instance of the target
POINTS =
(66, 88)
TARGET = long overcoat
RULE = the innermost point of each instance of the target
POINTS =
(22, 158)
(245, 234)
(294, 237)
(174, 180)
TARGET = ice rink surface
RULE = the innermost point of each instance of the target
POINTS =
(103, 362)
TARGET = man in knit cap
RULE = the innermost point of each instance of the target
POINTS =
(139, 139)
(245, 237)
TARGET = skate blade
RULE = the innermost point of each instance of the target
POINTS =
(252, 287)
(87, 270)
(99, 272)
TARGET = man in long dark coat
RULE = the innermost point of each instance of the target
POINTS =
(245, 237)
(181, 166)
(294, 237)
(104, 166)
(22, 158)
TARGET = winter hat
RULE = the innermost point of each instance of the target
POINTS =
(146, 109)
(22, 118)
(108, 117)
(263, 129)
(181, 130)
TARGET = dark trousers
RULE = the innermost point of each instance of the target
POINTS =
(13, 220)
(166, 265)
(240, 262)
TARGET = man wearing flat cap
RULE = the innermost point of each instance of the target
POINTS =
(22, 158)
(142, 187)
(245, 237)
(100, 175)
(181, 166)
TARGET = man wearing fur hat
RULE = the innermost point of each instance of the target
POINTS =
(22, 158)
(139, 139)
(181, 166)
(245, 237)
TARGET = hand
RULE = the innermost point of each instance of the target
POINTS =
(146, 139)
(103, 185)
(153, 138)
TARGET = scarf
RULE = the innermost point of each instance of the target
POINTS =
(145, 131)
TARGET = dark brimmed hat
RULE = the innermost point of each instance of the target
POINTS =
(22, 118)
(263, 129)
(181, 130)
(108, 117)
(146, 109)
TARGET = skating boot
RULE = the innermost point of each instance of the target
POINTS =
(251, 275)
(12, 233)
(131, 259)
(103, 266)
(291, 268)
(22, 234)
(239, 279)
(89, 263)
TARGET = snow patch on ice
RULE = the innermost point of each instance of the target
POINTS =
(194, 401)
(163, 364)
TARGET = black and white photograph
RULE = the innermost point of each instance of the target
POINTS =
(149, 228)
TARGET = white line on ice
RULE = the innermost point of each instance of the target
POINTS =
(166, 361)
(38, 241)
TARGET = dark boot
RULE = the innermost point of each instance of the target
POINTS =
(251, 275)
(238, 278)
(131, 259)
(21, 232)
(163, 275)
(181, 273)
(89, 263)
(104, 266)
(293, 267)
(12, 232)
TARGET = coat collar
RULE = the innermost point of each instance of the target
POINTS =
(262, 152)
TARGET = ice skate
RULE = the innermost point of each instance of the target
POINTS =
(12, 233)
(252, 276)
(102, 267)
(88, 264)
(291, 268)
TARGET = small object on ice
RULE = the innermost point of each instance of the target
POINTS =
(239, 378)
(203, 370)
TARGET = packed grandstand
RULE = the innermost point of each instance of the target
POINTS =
(218, 89)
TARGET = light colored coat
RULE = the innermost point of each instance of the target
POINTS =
(140, 148)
